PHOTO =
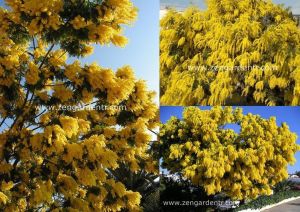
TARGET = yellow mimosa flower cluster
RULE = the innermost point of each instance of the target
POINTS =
(235, 52)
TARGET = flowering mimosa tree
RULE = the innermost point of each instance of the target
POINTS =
(53, 159)
(243, 165)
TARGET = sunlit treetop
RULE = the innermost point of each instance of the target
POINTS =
(74, 23)
(234, 52)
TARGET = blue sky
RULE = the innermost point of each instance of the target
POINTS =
(290, 115)
(142, 51)
(295, 5)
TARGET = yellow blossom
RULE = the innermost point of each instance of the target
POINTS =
(62, 93)
(32, 75)
(69, 125)
(6, 186)
(3, 198)
(79, 22)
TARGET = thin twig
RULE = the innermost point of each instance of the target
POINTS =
(32, 55)
(50, 161)
(34, 47)
(18, 116)
(2, 122)
(44, 59)
(36, 128)
(52, 85)
(40, 114)
(62, 54)
(6, 124)
(153, 131)
(91, 103)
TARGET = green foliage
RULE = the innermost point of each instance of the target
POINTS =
(285, 185)
(269, 200)
(181, 190)
(297, 173)
(151, 203)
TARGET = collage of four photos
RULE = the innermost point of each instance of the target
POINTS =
(162, 105)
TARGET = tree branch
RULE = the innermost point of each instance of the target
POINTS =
(36, 128)
(40, 114)
(44, 59)
(18, 116)
(2, 122)
(34, 47)
(153, 131)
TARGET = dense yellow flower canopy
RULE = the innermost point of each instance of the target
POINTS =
(242, 164)
(235, 52)
(59, 159)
